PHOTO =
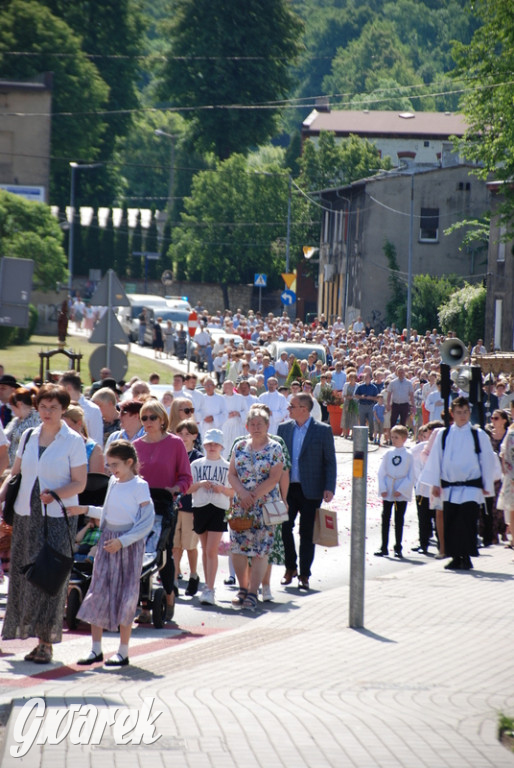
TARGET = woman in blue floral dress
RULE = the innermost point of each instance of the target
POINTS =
(255, 471)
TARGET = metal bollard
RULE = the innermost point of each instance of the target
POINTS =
(358, 529)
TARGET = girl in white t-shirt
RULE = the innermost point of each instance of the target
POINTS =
(211, 493)
(125, 520)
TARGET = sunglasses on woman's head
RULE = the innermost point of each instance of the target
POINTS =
(151, 416)
(187, 410)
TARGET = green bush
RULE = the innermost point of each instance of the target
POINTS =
(464, 313)
(22, 335)
(7, 334)
(10, 336)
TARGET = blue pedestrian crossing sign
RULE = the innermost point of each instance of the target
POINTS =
(288, 297)
(260, 281)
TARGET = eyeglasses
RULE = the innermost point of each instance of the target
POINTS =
(187, 410)
(151, 416)
(496, 418)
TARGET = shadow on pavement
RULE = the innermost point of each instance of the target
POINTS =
(373, 635)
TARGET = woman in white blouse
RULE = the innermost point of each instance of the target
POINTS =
(54, 459)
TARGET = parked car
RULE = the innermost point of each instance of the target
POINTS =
(178, 302)
(299, 349)
(216, 334)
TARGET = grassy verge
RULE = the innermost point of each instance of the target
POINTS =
(24, 361)
(506, 731)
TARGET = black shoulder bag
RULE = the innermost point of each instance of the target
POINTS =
(51, 568)
(12, 490)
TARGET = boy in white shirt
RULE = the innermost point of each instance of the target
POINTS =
(395, 484)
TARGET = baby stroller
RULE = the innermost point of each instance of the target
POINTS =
(155, 557)
(80, 578)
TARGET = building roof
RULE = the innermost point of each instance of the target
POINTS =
(375, 123)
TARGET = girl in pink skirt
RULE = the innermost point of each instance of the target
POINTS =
(125, 520)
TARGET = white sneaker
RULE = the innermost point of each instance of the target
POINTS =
(207, 597)
(267, 597)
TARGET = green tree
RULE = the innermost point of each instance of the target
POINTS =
(327, 28)
(121, 246)
(228, 63)
(155, 267)
(486, 66)
(29, 231)
(136, 263)
(112, 35)
(429, 293)
(79, 93)
(331, 163)
(234, 225)
(106, 246)
(464, 313)
(378, 53)
(396, 307)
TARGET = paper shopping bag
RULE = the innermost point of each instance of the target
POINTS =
(325, 528)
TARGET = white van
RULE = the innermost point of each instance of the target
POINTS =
(129, 316)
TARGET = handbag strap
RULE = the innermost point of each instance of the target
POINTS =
(61, 504)
(26, 440)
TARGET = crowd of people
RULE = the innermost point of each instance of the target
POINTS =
(248, 433)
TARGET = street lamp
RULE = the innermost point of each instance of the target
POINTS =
(74, 167)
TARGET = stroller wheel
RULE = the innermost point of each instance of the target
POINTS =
(159, 608)
(72, 607)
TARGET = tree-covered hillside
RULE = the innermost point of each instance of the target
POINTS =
(389, 54)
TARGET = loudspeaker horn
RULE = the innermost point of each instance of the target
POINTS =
(453, 352)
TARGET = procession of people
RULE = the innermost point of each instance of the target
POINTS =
(247, 434)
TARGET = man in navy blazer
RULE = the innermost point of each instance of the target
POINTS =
(313, 480)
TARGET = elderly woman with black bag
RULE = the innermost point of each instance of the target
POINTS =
(52, 463)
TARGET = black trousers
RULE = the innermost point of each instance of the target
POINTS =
(460, 529)
(425, 517)
(306, 508)
(400, 411)
(399, 516)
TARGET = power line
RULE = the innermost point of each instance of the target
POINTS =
(308, 103)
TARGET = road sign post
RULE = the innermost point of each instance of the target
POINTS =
(261, 282)
(288, 298)
(192, 325)
(109, 293)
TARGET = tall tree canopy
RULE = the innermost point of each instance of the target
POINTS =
(112, 35)
(229, 65)
(234, 224)
(78, 90)
(487, 64)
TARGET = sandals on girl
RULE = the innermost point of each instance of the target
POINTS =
(239, 599)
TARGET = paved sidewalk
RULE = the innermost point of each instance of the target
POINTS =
(422, 685)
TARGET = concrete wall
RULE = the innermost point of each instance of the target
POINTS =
(499, 312)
